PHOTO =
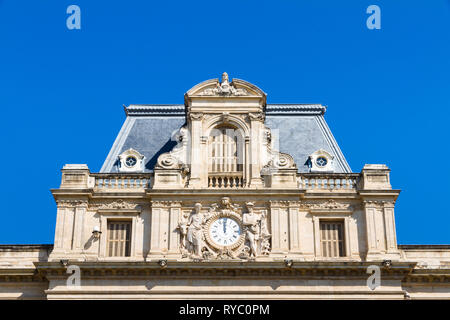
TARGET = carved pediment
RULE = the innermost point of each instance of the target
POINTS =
(225, 88)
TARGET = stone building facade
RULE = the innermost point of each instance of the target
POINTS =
(225, 196)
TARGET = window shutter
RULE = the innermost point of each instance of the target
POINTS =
(119, 238)
(332, 238)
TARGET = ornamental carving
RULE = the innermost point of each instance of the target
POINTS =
(196, 116)
(275, 160)
(281, 203)
(225, 88)
(164, 204)
(259, 116)
(379, 203)
(118, 204)
(176, 159)
(71, 203)
(329, 205)
(224, 232)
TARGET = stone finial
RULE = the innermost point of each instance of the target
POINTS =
(224, 77)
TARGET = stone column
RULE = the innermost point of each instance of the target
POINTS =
(389, 225)
(279, 227)
(59, 229)
(174, 235)
(69, 229)
(78, 232)
(370, 210)
(256, 121)
(247, 161)
(159, 239)
(195, 152)
(294, 228)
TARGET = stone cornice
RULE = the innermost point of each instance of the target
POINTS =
(179, 109)
(295, 109)
(225, 269)
(155, 110)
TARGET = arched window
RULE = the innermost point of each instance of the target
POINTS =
(225, 150)
(225, 157)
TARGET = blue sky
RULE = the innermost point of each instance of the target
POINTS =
(387, 91)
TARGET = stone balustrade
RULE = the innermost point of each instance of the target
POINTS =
(328, 181)
(81, 178)
(121, 181)
(230, 180)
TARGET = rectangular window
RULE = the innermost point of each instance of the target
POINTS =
(119, 238)
(332, 238)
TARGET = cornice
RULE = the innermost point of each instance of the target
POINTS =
(179, 109)
(155, 110)
(295, 109)
(225, 269)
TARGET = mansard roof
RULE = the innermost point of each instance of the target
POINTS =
(302, 130)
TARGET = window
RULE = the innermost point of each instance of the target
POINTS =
(130, 161)
(119, 238)
(225, 150)
(321, 161)
(332, 238)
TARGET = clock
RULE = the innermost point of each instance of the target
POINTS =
(225, 232)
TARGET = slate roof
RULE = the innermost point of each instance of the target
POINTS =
(301, 128)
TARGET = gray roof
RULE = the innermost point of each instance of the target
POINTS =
(301, 129)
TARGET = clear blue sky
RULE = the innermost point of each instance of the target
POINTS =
(387, 91)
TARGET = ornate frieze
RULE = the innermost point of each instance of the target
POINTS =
(163, 204)
(118, 204)
(379, 203)
(71, 203)
(330, 204)
(279, 203)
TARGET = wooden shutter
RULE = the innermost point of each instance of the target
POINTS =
(119, 238)
(223, 151)
(332, 238)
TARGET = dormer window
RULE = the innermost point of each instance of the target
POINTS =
(225, 158)
(321, 161)
(225, 153)
(131, 161)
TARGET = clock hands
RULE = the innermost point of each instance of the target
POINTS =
(225, 226)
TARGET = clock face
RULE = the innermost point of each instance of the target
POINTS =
(225, 231)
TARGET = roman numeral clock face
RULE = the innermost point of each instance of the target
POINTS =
(225, 231)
